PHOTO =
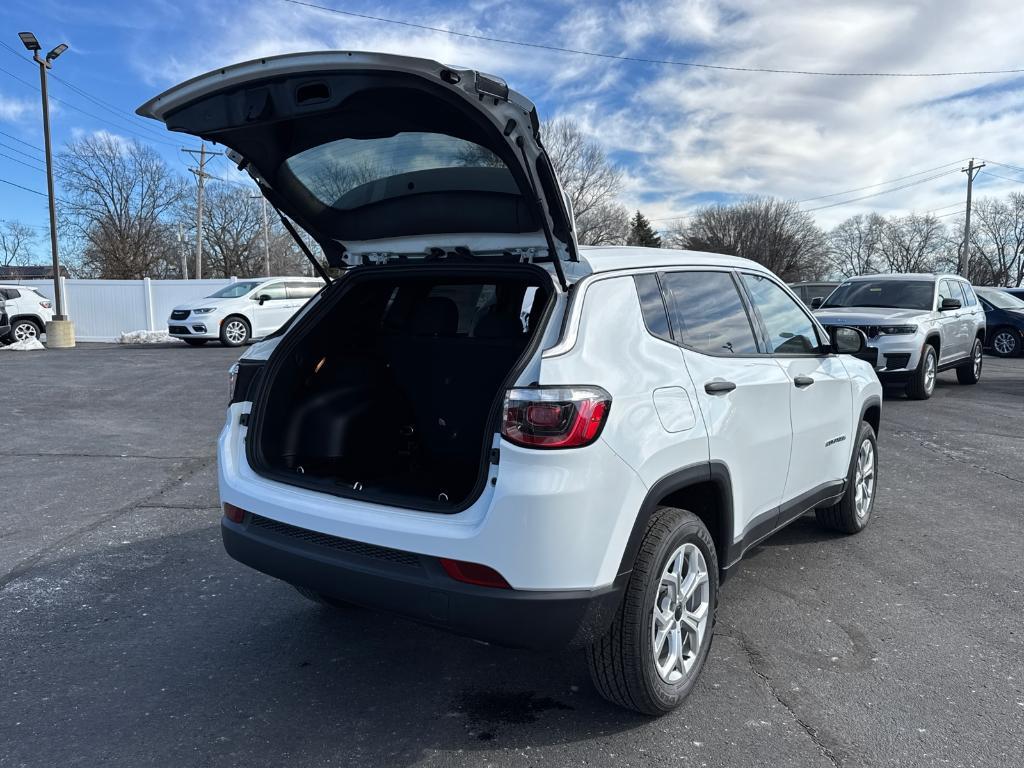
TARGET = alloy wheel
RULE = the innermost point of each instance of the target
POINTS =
(681, 609)
(929, 372)
(864, 480)
(25, 331)
(1004, 343)
(235, 331)
(977, 360)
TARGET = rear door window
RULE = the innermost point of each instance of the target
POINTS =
(708, 314)
(303, 290)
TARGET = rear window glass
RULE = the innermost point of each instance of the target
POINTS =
(708, 314)
(348, 173)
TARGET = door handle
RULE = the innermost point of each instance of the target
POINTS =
(803, 381)
(719, 387)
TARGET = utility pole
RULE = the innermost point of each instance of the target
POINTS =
(59, 332)
(181, 252)
(965, 261)
(201, 177)
(266, 235)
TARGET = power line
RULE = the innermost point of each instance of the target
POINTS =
(1004, 178)
(19, 186)
(9, 148)
(21, 141)
(640, 59)
(880, 183)
(27, 165)
(138, 134)
(882, 192)
(1006, 165)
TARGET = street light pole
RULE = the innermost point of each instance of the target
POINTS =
(59, 332)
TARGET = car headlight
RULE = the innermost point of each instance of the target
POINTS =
(205, 311)
(897, 330)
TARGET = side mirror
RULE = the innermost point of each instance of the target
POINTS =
(817, 301)
(262, 298)
(848, 341)
(948, 304)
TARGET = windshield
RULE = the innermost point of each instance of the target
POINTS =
(348, 173)
(233, 291)
(999, 298)
(895, 294)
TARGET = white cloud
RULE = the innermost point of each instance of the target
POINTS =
(12, 109)
(685, 133)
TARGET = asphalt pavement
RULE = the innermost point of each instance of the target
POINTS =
(128, 637)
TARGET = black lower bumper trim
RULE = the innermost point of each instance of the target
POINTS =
(417, 588)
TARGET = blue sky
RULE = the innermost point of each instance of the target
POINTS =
(684, 136)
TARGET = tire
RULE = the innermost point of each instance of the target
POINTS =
(234, 331)
(922, 383)
(852, 513)
(195, 342)
(22, 330)
(970, 373)
(624, 663)
(320, 599)
(1006, 342)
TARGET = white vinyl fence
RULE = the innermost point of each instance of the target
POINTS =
(102, 309)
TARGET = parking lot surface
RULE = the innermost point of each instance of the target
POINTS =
(128, 637)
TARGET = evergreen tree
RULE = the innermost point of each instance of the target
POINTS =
(642, 233)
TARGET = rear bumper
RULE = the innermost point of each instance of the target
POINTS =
(416, 587)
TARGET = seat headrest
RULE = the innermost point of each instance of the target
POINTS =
(435, 316)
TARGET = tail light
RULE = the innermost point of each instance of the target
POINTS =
(45, 304)
(555, 417)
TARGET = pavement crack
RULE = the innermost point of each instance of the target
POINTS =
(755, 661)
(954, 456)
(28, 563)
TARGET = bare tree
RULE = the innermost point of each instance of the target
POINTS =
(914, 243)
(855, 245)
(118, 197)
(772, 232)
(997, 241)
(233, 234)
(591, 181)
(16, 243)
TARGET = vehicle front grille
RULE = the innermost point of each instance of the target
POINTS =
(334, 542)
(894, 362)
(178, 329)
(180, 314)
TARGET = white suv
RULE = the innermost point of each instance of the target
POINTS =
(584, 475)
(28, 310)
(241, 311)
(917, 325)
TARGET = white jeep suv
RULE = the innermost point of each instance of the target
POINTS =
(28, 310)
(582, 474)
(241, 311)
(917, 325)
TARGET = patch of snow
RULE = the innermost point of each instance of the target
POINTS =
(145, 337)
(25, 345)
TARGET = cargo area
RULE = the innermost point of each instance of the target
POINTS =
(391, 391)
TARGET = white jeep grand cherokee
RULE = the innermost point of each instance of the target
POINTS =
(483, 426)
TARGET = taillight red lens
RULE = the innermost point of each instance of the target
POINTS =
(555, 417)
(233, 513)
(474, 573)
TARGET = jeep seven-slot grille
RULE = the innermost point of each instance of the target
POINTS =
(334, 542)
